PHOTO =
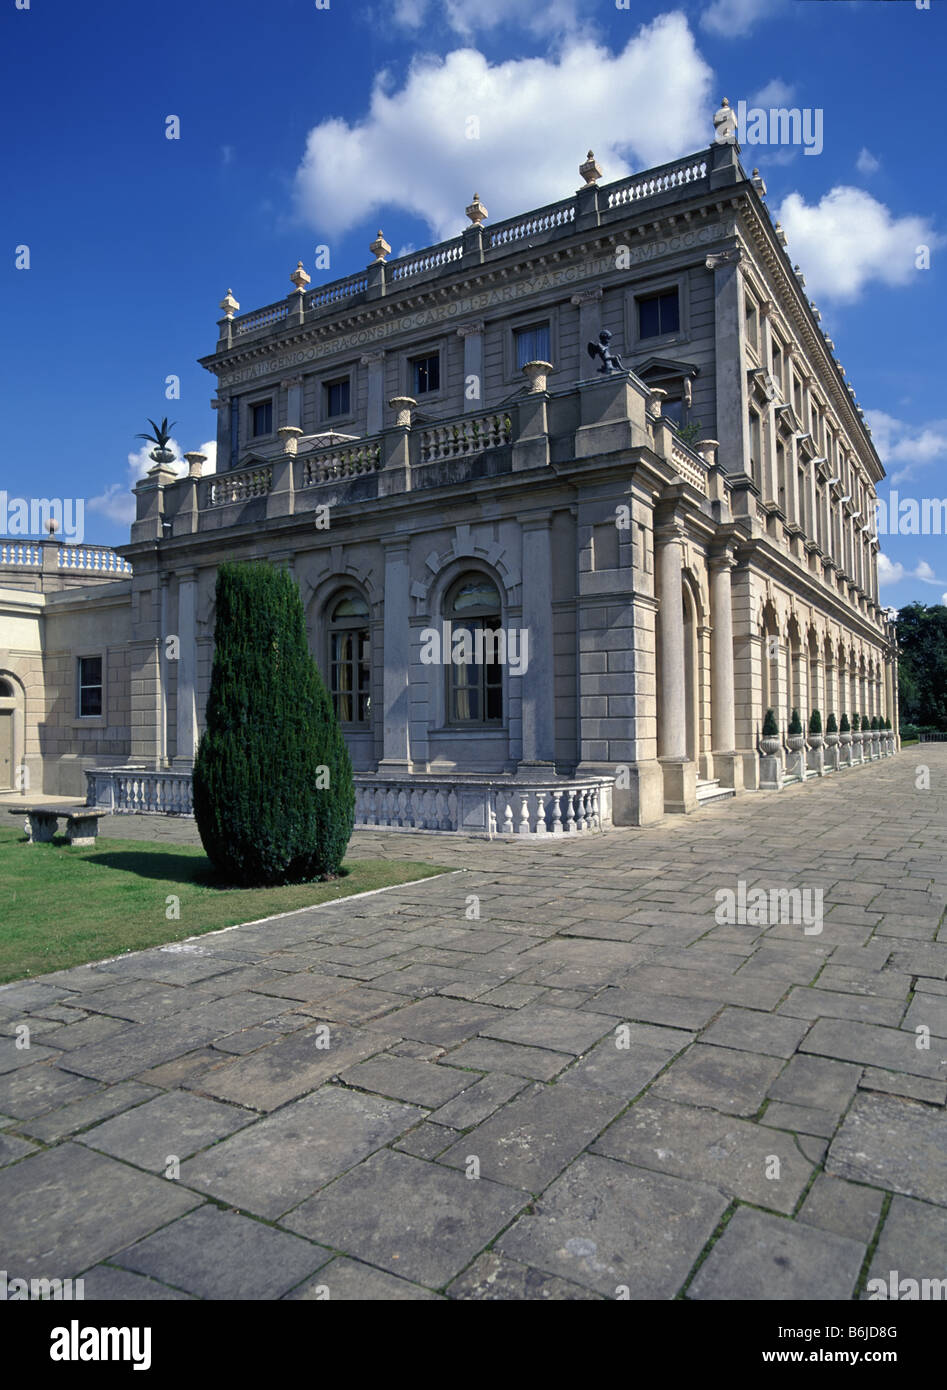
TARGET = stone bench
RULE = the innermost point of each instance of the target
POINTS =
(82, 822)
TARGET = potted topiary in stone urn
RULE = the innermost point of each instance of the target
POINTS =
(858, 752)
(795, 738)
(845, 739)
(770, 742)
(816, 739)
(831, 732)
(889, 735)
(875, 736)
(160, 435)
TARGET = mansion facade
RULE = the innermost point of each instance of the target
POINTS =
(647, 548)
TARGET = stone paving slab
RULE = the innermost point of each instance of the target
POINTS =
(766, 1257)
(222, 1255)
(67, 1208)
(271, 1166)
(588, 1040)
(912, 1246)
(606, 1225)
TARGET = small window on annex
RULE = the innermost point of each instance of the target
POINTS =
(350, 659)
(89, 681)
(475, 687)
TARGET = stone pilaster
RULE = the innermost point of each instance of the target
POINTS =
(397, 659)
(472, 336)
(728, 765)
(680, 774)
(187, 670)
(374, 364)
(539, 728)
(730, 345)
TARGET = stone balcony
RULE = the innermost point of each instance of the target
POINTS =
(532, 431)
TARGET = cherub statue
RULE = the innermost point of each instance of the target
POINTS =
(611, 362)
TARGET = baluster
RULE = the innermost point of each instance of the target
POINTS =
(554, 795)
(540, 813)
(570, 813)
(507, 815)
(524, 813)
(580, 821)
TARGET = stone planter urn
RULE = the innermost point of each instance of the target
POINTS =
(795, 742)
(402, 406)
(770, 745)
(195, 462)
(536, 373)
(162, 455)
(817, 740)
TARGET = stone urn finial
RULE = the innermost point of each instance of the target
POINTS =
(536, 373)
(707, 448)
(195, 462)
(379, 247)
(299, 277)
(290, 435)
(591, 170)
(476, 211)
(403, 406)
(655, 397)
(229, 305)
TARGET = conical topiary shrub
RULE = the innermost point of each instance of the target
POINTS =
(856, 724)
(770, 727)
(795, 723)
(845, 727)
(815, 722)
(887, 723)
(831, 725)
(274, 798)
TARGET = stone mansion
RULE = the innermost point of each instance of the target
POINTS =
(679, 539)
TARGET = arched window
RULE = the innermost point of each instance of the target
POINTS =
(349, 659)
(475, 670)
(6, 689)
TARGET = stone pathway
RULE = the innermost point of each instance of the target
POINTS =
(553, 1075)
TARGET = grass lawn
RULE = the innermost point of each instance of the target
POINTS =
(61, 906)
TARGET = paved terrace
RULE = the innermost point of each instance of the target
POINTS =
(772, 1130)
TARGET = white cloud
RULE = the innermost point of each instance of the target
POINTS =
(892, 572)
(903, 447)
(849, 239)
(943, 598)
(537, 118)
(117, 502)
(730, 18)
(866, 163)
(775, 93)
(552, 17)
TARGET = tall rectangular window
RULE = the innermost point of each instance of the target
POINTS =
(752, 321)
(426, 374)
(337, 397)
(756, 449)
(659, 314)
(532, 344)
(90, 686)
(261, 418)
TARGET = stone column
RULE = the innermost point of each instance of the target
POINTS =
(680, 776)
(730, 357)
(374, 362)
(728, 764)
(539, 728)
(472, 335)
(397, 659)
(187, 671)
(589, 305)
(293, 386)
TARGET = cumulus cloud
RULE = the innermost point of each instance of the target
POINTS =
(904, 448)
(775, 93)
(848, 240)
(553, 17)
(892, 572)
(117, 502)
(866, 163)
(733, 18)
(533, 119)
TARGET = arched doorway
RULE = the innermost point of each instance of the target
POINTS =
(691, 672)
(11, 732)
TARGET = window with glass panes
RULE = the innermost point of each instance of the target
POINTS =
(532, 344)
(658, 314)
(475, 689)
(426, 374)
(337, 397)
(261, 418)
(90, 686)
(350, 659)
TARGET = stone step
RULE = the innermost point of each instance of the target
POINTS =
(709, 790)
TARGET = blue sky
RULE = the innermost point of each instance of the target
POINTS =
(303, 125)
